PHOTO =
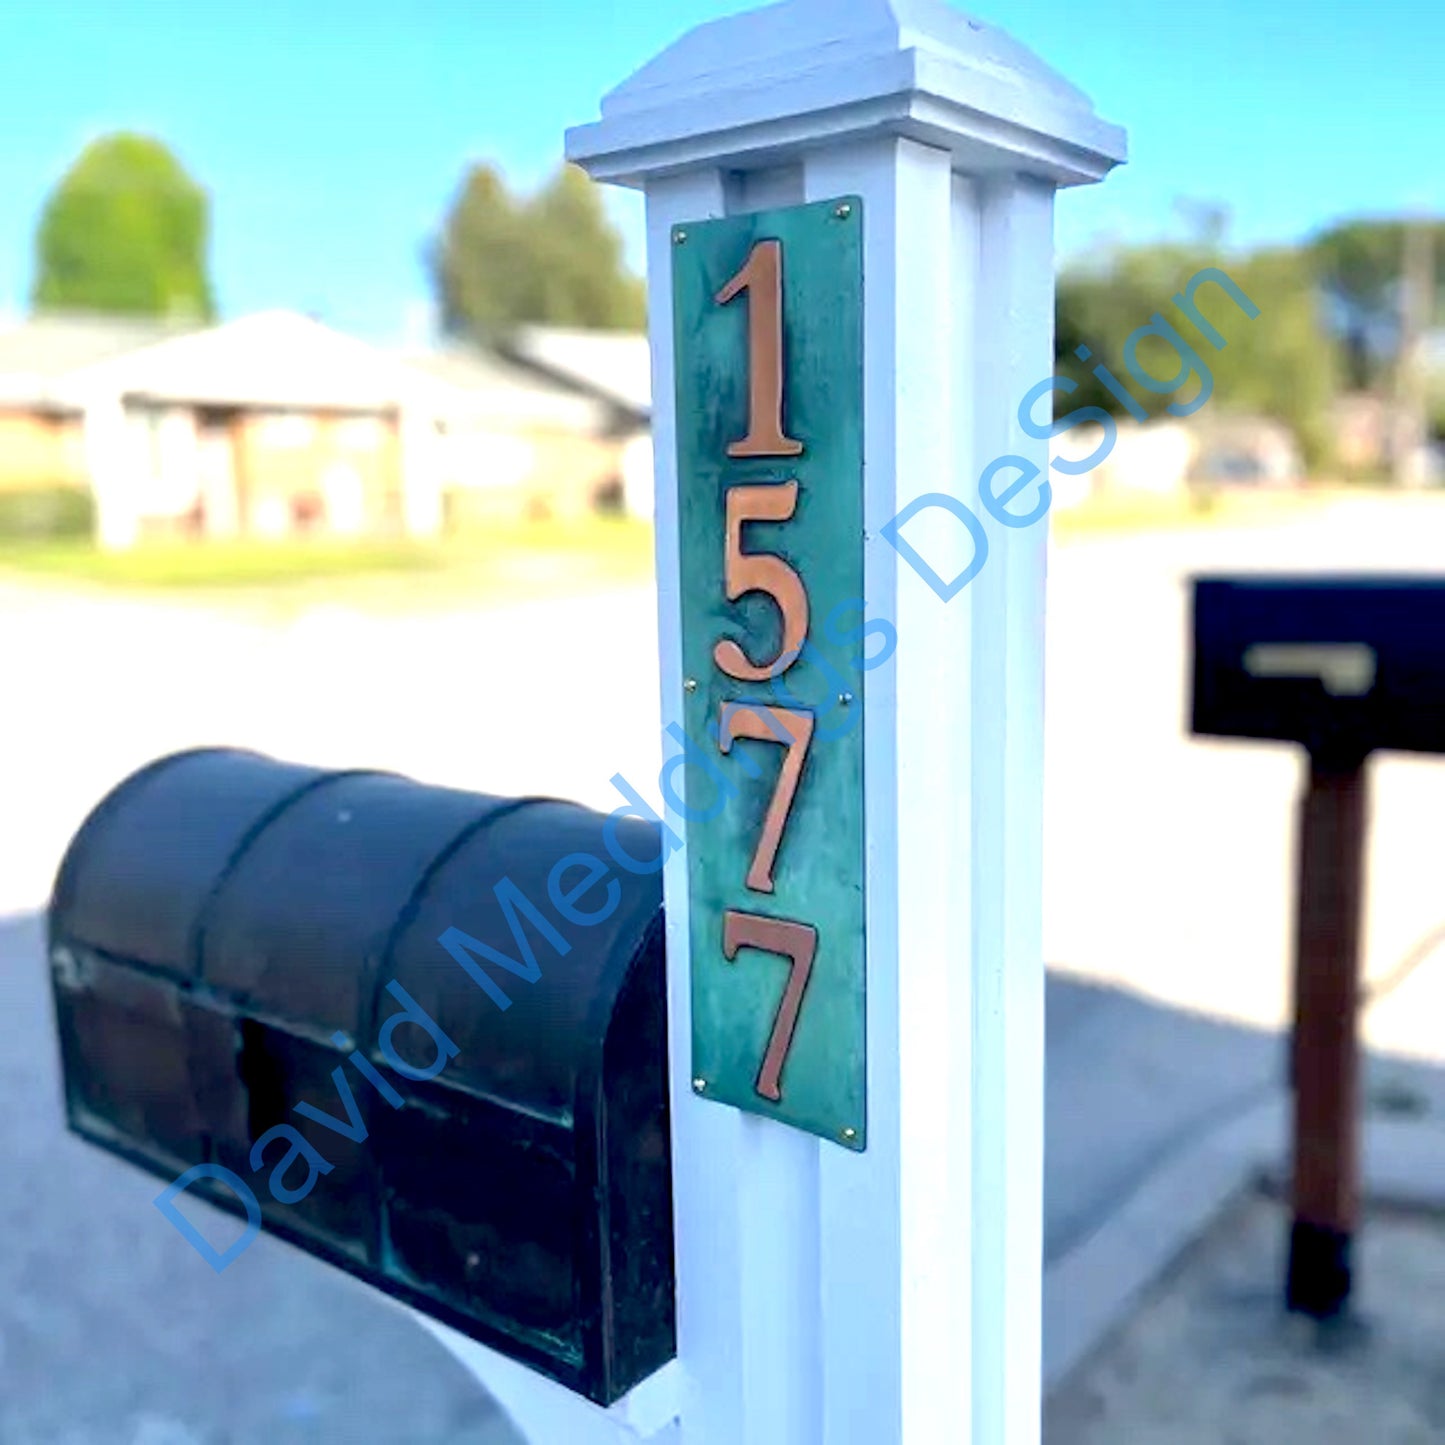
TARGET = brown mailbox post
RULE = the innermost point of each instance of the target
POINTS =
(1343, 666)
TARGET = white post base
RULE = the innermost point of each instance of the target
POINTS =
(548, 1414)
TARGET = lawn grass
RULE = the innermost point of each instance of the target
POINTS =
(508, 560)
(1122, 512)
(519, 560)
(164, 566)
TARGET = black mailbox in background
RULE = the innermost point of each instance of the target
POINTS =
(1342, 665)
(221, 936)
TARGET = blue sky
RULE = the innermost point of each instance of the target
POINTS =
(333, 132)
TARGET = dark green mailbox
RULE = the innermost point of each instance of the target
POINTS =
(423, 1030)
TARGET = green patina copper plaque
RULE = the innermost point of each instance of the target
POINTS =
(769, 356)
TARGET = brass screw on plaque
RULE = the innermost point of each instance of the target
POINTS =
(845, 698)
(843, 211)
(680, 238)
(690, 685)
(850, 1136)
(699, 1085)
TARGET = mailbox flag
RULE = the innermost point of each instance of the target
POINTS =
(164, 1202)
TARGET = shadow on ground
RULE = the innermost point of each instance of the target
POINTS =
(1132, 1083)
(113, 1331)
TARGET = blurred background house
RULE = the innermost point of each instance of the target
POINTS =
(275, 426)
(267, 427)
(615, 367)
(1165, 459)
(1361, 422)
(555, 425)
(44, 475)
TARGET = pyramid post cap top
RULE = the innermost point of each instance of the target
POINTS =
(801, 58)
(818, 34)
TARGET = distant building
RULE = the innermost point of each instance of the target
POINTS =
(522, 441)
(274, 425)
(1250, 450)
(1163, 457)
(1367, 433)
(1153, 458)
(616, 368)
(1361, 424)
(42, 435)
(269, 426)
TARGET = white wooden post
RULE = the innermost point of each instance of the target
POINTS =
(891, 1297)
(827, 1298)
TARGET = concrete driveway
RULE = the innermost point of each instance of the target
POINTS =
(1168, 881)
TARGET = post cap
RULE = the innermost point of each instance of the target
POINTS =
(761, 88)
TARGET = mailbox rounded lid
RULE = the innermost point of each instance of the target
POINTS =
(296, 895)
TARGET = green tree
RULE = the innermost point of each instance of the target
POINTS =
(1283, 363)
(1280, 364)
(503, 261)
(1359, 264)
(125, 232)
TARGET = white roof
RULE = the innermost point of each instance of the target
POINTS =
(274, 359)
(615, 365)
(571, 381)
(37, 353)
(491, 389)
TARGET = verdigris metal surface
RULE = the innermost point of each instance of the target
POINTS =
(227, 937)
(798, 465)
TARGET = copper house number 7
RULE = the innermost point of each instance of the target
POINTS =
(762, 279)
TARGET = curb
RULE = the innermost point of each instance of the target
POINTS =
(1094, 1288)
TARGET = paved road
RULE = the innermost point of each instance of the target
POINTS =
(1167, 888)
(1267, 1379)
(1170, 860)
(114, 1332)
